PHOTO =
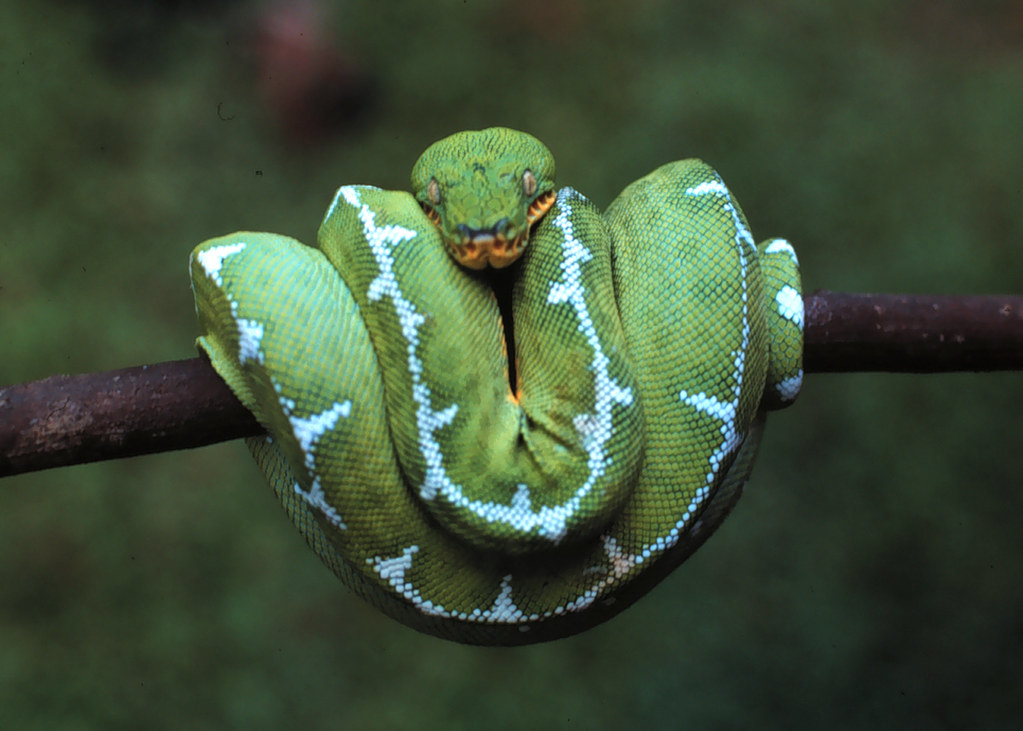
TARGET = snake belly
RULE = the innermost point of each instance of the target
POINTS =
(649, 342)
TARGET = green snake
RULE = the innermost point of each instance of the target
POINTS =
(496, 413)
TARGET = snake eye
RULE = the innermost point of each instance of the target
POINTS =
(528, 183)
(433, 191)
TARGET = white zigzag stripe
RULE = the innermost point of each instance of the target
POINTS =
(550, 522)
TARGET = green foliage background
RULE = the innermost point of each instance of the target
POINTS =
(871, 576)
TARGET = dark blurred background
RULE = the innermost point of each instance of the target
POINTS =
(870, 577)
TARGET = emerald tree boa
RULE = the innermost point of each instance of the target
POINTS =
(495, 412)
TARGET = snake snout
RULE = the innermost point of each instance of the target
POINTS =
(496, 246)
(501, 229)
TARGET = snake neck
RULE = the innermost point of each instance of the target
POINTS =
(502, 284)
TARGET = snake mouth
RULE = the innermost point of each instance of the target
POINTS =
(540, 206)
(485, 249)
(477, 249)
(480, 249)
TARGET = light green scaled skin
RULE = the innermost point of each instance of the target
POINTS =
(649, 342)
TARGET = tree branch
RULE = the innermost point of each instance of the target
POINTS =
(65, 420)
(852, 333)
(182, 404)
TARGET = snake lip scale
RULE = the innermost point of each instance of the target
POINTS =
(493, 484)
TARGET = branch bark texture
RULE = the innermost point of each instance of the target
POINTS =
(64, 420)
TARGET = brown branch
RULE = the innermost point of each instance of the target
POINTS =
(64, 420)
(182, 404)
(850, 333)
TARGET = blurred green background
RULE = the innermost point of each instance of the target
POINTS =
(871, 575)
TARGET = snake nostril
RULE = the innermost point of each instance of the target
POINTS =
(465, 232)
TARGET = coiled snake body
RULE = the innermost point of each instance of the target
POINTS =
(499, 493)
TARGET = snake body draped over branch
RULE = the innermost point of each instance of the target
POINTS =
(495, 412)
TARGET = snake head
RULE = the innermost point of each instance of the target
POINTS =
(484, 190)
